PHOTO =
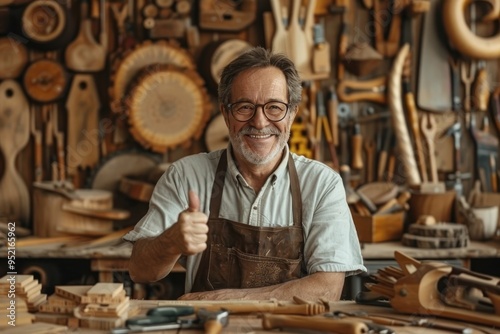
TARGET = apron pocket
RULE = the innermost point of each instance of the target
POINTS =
(257, 271)
(221, 268)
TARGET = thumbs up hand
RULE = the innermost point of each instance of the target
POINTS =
(189, 234)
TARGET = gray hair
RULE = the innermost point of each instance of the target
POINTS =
(259, 57)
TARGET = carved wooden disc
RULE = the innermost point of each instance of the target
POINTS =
(45, 80)
(168, 107)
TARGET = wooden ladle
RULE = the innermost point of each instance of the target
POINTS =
(84, 54)
(14, 135)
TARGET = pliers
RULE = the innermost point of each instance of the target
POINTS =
(160, 318)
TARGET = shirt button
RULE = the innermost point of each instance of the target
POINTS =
(255, 208)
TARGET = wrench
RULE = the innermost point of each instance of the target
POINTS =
(428, 129)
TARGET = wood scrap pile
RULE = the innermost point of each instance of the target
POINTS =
(24, 288)
(427, 233)
(102, 306)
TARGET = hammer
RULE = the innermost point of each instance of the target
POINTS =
(213, 321)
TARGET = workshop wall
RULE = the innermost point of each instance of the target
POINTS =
(103, 94)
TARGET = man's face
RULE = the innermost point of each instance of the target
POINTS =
(259, 141)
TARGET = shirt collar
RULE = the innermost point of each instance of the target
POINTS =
(278, 173)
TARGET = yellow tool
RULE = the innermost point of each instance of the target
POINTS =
(322, 123)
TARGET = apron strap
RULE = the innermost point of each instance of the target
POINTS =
(296, 195)
(218, 186)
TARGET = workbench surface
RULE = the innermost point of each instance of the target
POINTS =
(253, 323)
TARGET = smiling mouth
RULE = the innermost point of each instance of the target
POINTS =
(259, 136)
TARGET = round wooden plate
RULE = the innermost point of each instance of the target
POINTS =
(216, 134)
(216, 55)
(108, 174)
(14, 58)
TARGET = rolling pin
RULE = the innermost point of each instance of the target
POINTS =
(341, 326)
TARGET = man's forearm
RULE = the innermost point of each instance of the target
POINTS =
(318, 285)
(150, 260)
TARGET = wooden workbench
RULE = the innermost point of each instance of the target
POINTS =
(253, 323)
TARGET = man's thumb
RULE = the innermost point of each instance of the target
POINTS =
(194, 201)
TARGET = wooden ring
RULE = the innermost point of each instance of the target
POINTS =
(43, 21)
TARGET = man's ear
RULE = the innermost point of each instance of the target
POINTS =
(224, 114)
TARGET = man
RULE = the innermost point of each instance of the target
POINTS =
(253, 221)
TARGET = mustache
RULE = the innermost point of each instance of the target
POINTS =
(250, 130)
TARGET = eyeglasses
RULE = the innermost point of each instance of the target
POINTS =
(244, 111)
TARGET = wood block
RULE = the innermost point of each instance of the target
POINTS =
(101, 323)
(22, 318)
(78, 293)
(419, 241)
(20, 280)
(105, 289)
(379, 227)
(52, 318)
(106, 310)
(34, 303)
(440, 230)
(38, 328)
(57, 304)
(33, 291)
(20, 303)
(73, 292)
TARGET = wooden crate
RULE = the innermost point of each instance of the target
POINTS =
(379, 228)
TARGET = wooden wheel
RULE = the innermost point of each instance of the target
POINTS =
(144, 55)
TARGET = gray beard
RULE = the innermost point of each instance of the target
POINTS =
(240, 146)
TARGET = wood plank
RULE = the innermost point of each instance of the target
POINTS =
(20, 280)
(73, 292)
(105, 290)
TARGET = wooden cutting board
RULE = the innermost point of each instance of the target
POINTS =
(83, 129)
(434, 69)
(14, 135)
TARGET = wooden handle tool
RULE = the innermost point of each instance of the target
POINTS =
(428, 128)
(493, 175)
(253, 306)
(495, 108)
(343, 40)
(413, 118)
(59, 136)
(481, 89)
(356, 149)
(395, 203)
(333, 115)
(340, 326)
(370, 148)
(373, 90)
(37, 143)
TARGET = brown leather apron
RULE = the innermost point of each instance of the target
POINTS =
(242, 256)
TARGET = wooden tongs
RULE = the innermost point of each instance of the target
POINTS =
(439, 289)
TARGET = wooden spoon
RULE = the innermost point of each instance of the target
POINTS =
(84, 54)
(14, 135)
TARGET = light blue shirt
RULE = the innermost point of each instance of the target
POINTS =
(331, 241)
